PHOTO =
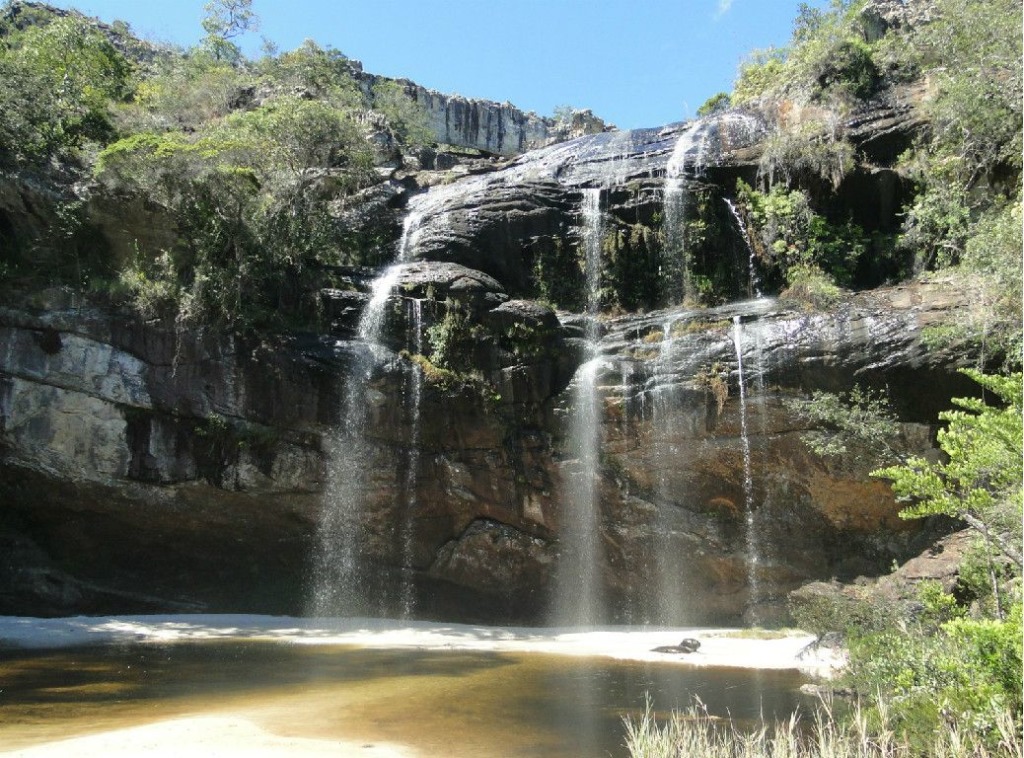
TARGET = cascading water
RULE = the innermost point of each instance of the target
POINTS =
(753, 280)
(342, 585)
(676, 267)
(579, 594)
(414, 395)
(669, 562)
(752, 541)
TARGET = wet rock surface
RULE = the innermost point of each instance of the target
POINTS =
(144, 467)
(147, 470)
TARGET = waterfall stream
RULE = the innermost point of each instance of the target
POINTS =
(676, 267)
(579, 596)
(751, 536)
(753, 280)
(342, 584)
(669, 563)
(413, 400)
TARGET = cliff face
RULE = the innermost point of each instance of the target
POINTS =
(418, 451)
(144, 469)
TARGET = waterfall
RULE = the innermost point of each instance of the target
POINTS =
(413, 399)
(752, 541)
(342, 584)
(669, 562)
(753, 280)
(579, 596)
(676, 266)
(338, 576)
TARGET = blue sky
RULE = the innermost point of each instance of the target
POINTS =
(635, 63)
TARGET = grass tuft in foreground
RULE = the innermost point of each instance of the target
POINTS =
(862, 734)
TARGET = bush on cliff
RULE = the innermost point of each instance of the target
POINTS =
(58, 82)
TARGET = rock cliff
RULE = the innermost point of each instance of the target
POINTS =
(145, 469)
(422, 462)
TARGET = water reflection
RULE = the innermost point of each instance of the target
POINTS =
(438, 702)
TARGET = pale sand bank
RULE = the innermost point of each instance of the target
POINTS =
(719, 647)
(203, 737)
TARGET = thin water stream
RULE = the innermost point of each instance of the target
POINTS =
(579, 591)
(342, 584)
(439, 703)
(751, 535)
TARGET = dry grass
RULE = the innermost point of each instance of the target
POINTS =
(696, 734)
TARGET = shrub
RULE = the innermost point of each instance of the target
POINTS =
(859, 420)
(717, 103)
(57, 80)
(963, 677)
(808, 151)
(797, 245)
(758, 75)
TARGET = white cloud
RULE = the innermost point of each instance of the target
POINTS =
(723, 8)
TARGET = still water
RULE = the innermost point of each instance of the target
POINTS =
(439, 702)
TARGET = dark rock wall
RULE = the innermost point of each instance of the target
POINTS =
(144, 469)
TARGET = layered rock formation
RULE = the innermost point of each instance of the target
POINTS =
(145, 467)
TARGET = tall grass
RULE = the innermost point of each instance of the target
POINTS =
(696, 734)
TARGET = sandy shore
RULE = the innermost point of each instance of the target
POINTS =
(719, 647)
(206, 737)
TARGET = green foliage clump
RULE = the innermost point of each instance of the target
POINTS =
(245, 196)
(962, 674)
(956, 669)
(859, 421)
(793, 243)
(556, 277)
(829, 60)
(809, 151)
(828, 608)
(58, 81)
(323, 72)
(980, 481)
(831, 55)
(453, 338)
(631, 255)
(406, 118)
(966, 166)
(717, 103)
(224, 20)
(247, 161)
(971, 54)
(758, 74)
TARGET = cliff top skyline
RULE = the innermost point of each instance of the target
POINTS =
(634, 65)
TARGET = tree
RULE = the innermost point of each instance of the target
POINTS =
(980, 480)
(57, 81)
(407, 118)
(224, 20)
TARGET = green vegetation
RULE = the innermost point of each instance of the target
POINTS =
(830, 60)
(793, 243)
(58, 82)
(856, 422)
(979, 482)
(863, 734)
(248, 161)
(961, 72)
(453, 338)
(717, 103)
(947, 660)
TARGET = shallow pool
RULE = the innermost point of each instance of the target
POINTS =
(438, 702)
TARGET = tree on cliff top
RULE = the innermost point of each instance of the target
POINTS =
(224, 20)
